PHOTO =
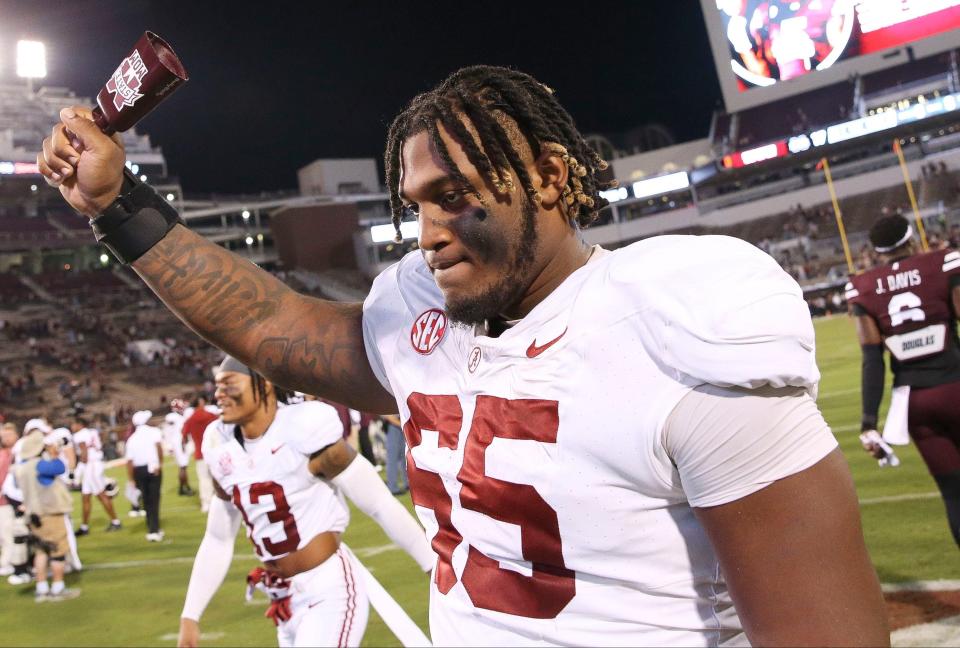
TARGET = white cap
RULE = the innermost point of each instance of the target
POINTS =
(173, 417)
(141, 417)
(37, 424)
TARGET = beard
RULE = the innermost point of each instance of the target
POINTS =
(471, 310)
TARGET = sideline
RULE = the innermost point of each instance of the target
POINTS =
(900, 498)
(922, 586)
(364, 552)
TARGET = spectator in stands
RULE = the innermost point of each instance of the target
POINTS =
(193, 428)
(144, 455)
(8, 436)
(46, 502)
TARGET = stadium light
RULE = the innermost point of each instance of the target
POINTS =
(384, 233)
(245, 214)
(31, 59)
(170, 197)
(661, 185)
(249, 240)
(615, 195)
(104, 259)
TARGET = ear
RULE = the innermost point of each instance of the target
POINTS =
(551, 177)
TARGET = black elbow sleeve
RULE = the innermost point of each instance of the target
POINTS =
(872, 376)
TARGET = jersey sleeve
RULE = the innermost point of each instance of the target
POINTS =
(951, 267)
(718, 310)
(313, 426)
(727, 443)
(400, 293)
(380, 321)
(851, 293)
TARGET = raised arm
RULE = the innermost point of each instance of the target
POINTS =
(296, 341)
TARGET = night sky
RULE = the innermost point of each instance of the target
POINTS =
(275, 85)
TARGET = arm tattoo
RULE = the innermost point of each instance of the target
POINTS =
(296, 341)
(220, 293)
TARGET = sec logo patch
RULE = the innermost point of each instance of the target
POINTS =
(428, 330)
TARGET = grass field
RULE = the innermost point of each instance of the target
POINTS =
(133, 590)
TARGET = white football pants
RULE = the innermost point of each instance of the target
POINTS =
(329, 605)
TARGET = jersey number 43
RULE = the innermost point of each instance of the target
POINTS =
(551, 586)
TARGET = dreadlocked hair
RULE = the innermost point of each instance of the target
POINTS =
(489, 98)
(260, 390)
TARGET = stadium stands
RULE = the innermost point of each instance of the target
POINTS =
(788, 116)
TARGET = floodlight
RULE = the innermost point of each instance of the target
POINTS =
(31, 59)
(384, 233)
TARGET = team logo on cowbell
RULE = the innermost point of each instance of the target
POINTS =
(428, 330)
(126, 80)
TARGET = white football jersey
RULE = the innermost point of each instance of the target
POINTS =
(91, 437)
(539, 472)
(172, 427)
(283, 505)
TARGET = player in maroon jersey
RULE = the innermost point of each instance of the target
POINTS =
(909, 305)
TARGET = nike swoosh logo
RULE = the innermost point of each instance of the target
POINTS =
(533, 350)
(274, 450)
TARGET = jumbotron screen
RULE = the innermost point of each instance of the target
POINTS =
(777, 40)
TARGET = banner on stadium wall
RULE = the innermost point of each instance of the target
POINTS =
(18, 168)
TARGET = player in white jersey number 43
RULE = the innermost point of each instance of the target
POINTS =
(283, 471)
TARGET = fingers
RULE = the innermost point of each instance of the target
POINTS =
(62, 145)
(49, 176)
(83, 131)
(57, 164)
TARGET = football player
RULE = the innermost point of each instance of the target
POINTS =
(909, 304)
(283, 471)
(175, 442)
(90, 472)
(616, 447)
